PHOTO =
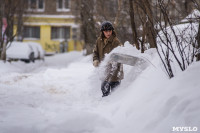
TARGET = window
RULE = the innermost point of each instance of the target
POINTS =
(63, 5)
(35, 5)
(31, 32)
(60, 33)
(40, 4)
(66, 4)
(74, 31)
(60, 4)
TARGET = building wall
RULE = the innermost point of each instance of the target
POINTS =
(48, 18)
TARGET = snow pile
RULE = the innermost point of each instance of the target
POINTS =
(154, 104)
(62, 95)
(67, 98)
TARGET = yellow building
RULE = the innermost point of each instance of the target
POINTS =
(51, 23)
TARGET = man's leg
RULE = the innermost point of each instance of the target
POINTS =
(105, 88)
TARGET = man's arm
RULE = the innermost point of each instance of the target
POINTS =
(96, 55)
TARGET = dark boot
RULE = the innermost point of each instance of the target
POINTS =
(107, 87)
(114, 85)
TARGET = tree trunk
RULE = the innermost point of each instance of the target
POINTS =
(3, 54)
(20, 21)
(198, 43)
(88, 24)
(2, 44)
(151, 33)
(133, 26)
(9, 8)
(1, 24)
(116, 22)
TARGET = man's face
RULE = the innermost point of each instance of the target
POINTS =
(107, 33)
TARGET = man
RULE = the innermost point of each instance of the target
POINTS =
(105, 43)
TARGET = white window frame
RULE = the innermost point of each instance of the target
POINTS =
(63, 9)
(37, 6)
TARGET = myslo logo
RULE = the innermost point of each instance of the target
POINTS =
(184, 129)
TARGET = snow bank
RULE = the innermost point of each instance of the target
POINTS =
(155, 104)
(63, 95)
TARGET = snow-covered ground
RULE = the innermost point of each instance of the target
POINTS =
(62, 95)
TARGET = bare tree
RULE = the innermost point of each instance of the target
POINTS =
(85, 16)
(8, 11)
(1, 23)
(174, 43)
(116, 22)
(141, 11)
(133, 25)
(123, 28)
(2, 32)
(115, 11)
(19, 16)
(157, 19)
(197, 45)
(146, 18)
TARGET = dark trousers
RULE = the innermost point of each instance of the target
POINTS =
(107, 87)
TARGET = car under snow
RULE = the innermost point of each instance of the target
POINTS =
(25, 51)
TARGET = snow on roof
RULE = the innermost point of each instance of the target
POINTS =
(49, 16)
(52, 24)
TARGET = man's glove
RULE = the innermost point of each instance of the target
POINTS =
(96, 63)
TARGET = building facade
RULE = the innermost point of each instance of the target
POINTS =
(51, 23)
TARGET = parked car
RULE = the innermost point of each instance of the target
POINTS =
(35, 50)
(20, 51)
(38, 50)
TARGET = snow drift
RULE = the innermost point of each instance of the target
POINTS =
(67, 98)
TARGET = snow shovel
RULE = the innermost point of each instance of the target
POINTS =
(126, 59)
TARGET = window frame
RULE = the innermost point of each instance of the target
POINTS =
(37, 9)
(42, 9)
(63, 9)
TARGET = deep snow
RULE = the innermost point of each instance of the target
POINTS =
(62, 95)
